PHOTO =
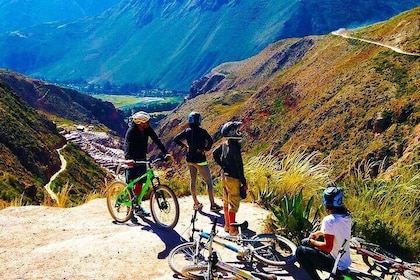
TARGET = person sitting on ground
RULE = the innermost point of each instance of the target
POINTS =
(198, 141)
(135, 148)
(321, 248)
(228, 156)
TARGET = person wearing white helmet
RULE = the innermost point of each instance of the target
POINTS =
(321, 248)
(198, 141)
(135, 148)
(228, 156)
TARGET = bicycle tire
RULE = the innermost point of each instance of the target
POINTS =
(118, 200)
(272, 249)
(164, 207)
(184, 255)
(200, 272)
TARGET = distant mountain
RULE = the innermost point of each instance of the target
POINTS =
(18, 14)
(168, 44)
(351, 100)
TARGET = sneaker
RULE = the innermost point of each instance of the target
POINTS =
(140, 211)
(198, 206)
(215, 208)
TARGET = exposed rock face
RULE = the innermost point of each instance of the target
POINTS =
(205, 84)
(102, 147)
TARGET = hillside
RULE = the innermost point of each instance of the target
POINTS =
(27, 143)
(18, 14)
(169, 44)
(353, 101)
(63, 103)
(32, 114)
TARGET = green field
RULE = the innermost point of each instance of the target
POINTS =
(120, 101)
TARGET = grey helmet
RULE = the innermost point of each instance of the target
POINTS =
(230, 130)
(194, 118)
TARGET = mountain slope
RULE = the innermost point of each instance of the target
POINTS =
(353, 101)
(65, 103)
(27, 143)
(169, 44)
(30, 111)
(19, 14)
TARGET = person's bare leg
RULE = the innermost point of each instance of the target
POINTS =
(193, 180)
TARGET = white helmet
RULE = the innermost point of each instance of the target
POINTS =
(140, 117)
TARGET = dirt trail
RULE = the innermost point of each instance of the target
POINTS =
(343, 33)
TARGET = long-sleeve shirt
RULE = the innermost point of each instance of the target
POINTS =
(198, 140)
(136, 142)
(231, 161)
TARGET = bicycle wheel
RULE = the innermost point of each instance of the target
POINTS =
(164, 207)
(118, 200)
(200, 271)
(185, 254)
(272, 249)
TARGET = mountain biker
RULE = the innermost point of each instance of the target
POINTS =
(198, 141)
(320, 249)
(135, 148)
(228, 156)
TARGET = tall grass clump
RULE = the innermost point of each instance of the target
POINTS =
(270, 178)
(63, 196)
(387, 210)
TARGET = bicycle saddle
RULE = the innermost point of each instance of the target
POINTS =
(243, 225)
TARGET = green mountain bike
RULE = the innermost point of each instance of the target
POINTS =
(164, 204)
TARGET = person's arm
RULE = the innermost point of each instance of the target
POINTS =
(157, 141)
(178, 139)
(209, 141)
(325, 245)
(239, 165)
(216, 155)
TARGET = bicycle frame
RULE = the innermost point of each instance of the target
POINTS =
(384, 261)
(213, 261)
(149, 175)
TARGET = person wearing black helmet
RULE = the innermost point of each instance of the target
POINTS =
(198, 141)
(320, 249)
(228, 156)
(135, 148)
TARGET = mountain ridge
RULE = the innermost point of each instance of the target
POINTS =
(169, 44)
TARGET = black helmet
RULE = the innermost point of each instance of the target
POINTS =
(333, 197)
(194, 118)
(230, 130)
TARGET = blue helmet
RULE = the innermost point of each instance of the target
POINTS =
(333, 197)
(194, 118)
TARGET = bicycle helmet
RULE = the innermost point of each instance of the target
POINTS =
(194, 118)
(140, 117)
(230, 130)
(333, 197)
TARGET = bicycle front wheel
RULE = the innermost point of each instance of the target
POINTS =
(272, 249)
(164, 207)
(118, 200)
(186, 254)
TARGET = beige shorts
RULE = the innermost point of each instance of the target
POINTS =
(231, 192)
